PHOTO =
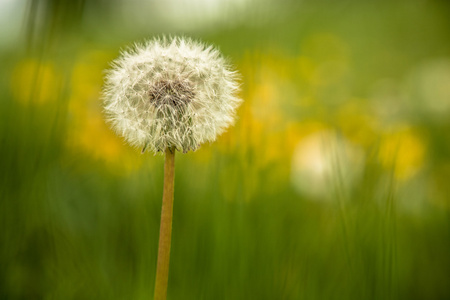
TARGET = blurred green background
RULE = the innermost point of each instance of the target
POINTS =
(333, 183)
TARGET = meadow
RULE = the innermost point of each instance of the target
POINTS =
(332, 184)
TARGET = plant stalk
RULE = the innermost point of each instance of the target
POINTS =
(165, 230)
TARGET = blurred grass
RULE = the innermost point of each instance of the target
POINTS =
(332, 185)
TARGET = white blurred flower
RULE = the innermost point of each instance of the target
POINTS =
(170, 92)
(323, 160)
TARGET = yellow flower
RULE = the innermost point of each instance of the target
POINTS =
(35, 82)
(88, 133)
(404, 151)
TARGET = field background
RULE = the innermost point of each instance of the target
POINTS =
(334, 182)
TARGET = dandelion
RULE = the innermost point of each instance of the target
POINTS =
(165, 95)
(170, 93)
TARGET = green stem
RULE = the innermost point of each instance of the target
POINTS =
(165, 231)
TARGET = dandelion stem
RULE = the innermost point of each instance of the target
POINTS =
(165, 231)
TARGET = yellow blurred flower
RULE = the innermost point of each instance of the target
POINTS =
(88, 132)
(403, 151)
(305, 68)
(35, 81)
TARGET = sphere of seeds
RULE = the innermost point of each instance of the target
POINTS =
(170, 92)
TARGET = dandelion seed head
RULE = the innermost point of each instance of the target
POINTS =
(170, 92)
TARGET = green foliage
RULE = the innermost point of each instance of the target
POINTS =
(79, 220)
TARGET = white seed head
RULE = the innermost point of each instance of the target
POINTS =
(170, 92)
